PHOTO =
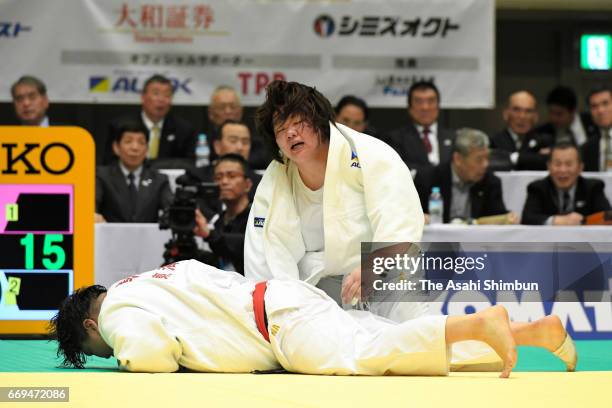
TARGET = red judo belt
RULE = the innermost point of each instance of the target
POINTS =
(259, 307)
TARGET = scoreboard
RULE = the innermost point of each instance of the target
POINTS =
(47, 184)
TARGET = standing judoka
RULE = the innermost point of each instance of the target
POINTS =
(191, 315)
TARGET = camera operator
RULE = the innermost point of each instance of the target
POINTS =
(226, 237)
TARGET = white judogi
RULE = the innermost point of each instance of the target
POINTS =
(368, 196)
(192, 315)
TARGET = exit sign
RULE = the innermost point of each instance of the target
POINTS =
(596, 51)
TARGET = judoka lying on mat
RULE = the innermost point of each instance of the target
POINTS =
(194, 316)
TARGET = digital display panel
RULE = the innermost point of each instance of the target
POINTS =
(36, 261)
(47, 190)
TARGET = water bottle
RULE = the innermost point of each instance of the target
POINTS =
(436, 206)
(202, 151)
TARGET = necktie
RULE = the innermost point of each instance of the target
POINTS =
(154, 142)
(566, 203)
(133, 194)
(426, 141)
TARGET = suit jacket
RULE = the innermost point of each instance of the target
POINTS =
(529, 157)
(591, 149)
(408, 144)
(485, 195)
(585, 120)
(177, 139)
(543, 201)
(112, 195)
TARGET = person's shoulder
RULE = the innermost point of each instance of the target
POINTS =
(178, 121)
(592, 183)
(500, 134)
(490, 178)
(539, 184)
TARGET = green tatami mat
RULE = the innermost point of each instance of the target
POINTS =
(39, 356)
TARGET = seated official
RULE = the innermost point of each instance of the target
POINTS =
(234, 137)
(31, 102)
(226, 239)
(469, 190)
(172, 139)
(127, 191)
(525, 149)
(423, 143)
(564, 197)
(353, 112)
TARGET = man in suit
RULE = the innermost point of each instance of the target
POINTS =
(170, 137)
(226, 239)
(225, 105)
(564, 123)
(526, 149)
(564, 197)
(597, 152)
(469, 189)
(423, 143)
(235, 138)
(30, 101)
(126, 191)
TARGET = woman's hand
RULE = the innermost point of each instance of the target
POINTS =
(351, 287)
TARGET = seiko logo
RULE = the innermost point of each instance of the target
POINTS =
(11, 154)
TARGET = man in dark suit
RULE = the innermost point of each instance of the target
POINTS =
(234, 137)
(564, 197)
(171, 138)
(597, 152)
(225, 105)
(526, 149)
(469, 189)
(565, 124)
(423, 143)
(126, 191)
(30, 101)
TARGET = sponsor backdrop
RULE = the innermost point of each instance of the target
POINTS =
(88, 51)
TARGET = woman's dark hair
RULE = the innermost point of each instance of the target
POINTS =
(353, 100)
(285, 99)
(67, 329)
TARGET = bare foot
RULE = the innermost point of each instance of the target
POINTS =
(497, 334)
(557, 341)
(550, 332)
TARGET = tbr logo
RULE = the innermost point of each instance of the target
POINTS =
(127, 84)
(324, 26)
(12, 30)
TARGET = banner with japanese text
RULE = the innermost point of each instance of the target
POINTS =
(103, 51)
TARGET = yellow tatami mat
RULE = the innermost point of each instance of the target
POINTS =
(470, 390)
